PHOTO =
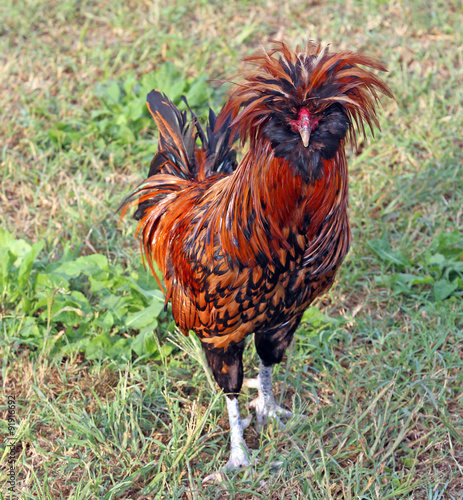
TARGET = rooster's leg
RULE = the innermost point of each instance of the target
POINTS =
(238, 449)
(265, 404)
(271, 346)
(227, 368)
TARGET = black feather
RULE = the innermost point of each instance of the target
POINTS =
(324, 140)
(177, 144)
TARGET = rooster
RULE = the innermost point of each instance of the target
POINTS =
(245, 248)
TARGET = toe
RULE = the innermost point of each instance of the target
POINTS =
(252, 383)
(234, 464)
(245, 422)
(215, 477)
(282, 412)
(253, 404)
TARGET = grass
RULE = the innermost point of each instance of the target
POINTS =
(377, 365)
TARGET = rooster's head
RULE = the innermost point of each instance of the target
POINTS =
(303, 103)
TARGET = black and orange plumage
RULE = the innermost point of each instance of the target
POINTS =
(246, 248)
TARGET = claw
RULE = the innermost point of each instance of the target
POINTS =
(215, 477)
(219, 476)
(270, 410)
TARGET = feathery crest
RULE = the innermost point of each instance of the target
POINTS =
(312, 77)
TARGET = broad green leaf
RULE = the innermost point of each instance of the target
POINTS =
(116, 304)
(121, 350)
(383, 250)
(447, 242)
(112, 91)
(198, 93)
(437, 259)
(315, 317)
(144, 318)
(98, 113)
(166, 79)
(70, 309)
(412, 279)
(166, 349)
(27, 261)
(18, 247)
(121, 119)
(105, 321)
(29, 328)
(7, 258)
(145, 343)
(444, 288)
(135, 109)
(148, 294)
(98, 347)
(125, 134)
(46, 281)
(90, 265)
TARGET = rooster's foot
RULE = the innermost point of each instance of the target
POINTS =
(238, 461)
(265, 404)
(264, 411)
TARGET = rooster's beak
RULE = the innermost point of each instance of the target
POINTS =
(305, 135)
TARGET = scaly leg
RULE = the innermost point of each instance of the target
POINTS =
(238, 448)
(265, 404)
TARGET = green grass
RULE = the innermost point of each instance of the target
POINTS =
(106, 409)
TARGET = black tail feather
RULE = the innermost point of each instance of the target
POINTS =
(177, 144)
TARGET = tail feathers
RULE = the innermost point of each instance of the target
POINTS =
(176, 138)
(220, 138)
(151, 192)
(177, 149)
(178, 153)
(216, 143)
